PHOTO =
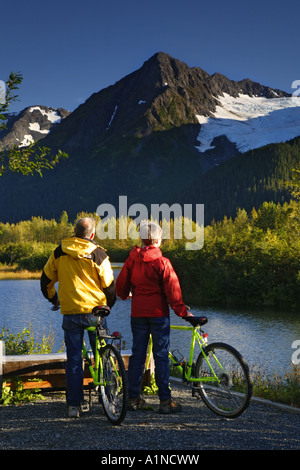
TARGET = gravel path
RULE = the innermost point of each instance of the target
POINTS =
(44, 425)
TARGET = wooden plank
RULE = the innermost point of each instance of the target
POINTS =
(49, 368)
(53, 382)
(21, 364)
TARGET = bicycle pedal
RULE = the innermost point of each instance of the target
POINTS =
(84, 407)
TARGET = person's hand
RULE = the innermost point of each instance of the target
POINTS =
(195, 321)
(56, 305)
(189, 314)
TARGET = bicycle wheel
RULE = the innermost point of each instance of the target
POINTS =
(113, 392)
(230, 396)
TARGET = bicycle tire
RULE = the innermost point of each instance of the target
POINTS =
(114, 393)
(231, 396)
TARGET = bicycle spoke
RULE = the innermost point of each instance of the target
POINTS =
(113, 388)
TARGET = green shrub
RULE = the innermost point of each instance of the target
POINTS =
(18, 394)
(24, 342)
(282, 389)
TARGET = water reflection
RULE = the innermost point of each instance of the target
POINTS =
(21, 304)
(264, 337)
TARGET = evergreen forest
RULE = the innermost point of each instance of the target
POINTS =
(252, 259)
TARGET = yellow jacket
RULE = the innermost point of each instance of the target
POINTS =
(84, 275)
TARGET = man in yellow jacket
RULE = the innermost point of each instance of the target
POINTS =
(85, 280)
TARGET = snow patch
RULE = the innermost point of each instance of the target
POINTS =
(34, 126)
(27, 140)
(51, 113)
(112, 117)
(251, 122)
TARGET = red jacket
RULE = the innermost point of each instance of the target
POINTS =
(153, 283)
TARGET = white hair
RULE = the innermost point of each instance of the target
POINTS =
(150, 232)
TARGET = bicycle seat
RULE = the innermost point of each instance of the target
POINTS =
(101, 311)
(196, 321)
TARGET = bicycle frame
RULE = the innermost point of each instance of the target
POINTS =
(185, 368)
(94, 370)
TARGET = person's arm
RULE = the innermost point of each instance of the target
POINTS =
(107, 281)
(172, 290)
(48, 280)
(123, 285)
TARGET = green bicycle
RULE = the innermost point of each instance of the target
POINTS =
(220, 375)
(107, 371)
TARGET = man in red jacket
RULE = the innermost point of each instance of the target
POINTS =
(151, 280)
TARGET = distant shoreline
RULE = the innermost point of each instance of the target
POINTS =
(12, 272)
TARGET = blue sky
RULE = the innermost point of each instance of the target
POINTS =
(67, 50)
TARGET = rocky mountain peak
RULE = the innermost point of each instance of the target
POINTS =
(149, 136)
(163, 94)
(31, 124)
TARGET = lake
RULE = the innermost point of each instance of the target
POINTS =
(263, 337)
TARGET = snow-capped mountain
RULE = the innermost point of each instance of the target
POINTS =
(30, 125)
(250, 122)
(160, 134)
(165, 93)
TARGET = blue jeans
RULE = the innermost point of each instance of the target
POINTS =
(73, 326)
(159, 328)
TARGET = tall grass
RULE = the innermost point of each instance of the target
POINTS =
(26, 342)
(12, 272)
(281, 389)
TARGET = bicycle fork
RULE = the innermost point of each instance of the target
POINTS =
(202, 343)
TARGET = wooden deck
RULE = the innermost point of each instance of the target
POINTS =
(48, 368)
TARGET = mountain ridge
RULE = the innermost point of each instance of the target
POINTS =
(174, 94)
(31, 124)
(139, 138)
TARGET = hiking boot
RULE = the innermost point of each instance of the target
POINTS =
(169, 406)
(135, 403)
(73, 412)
